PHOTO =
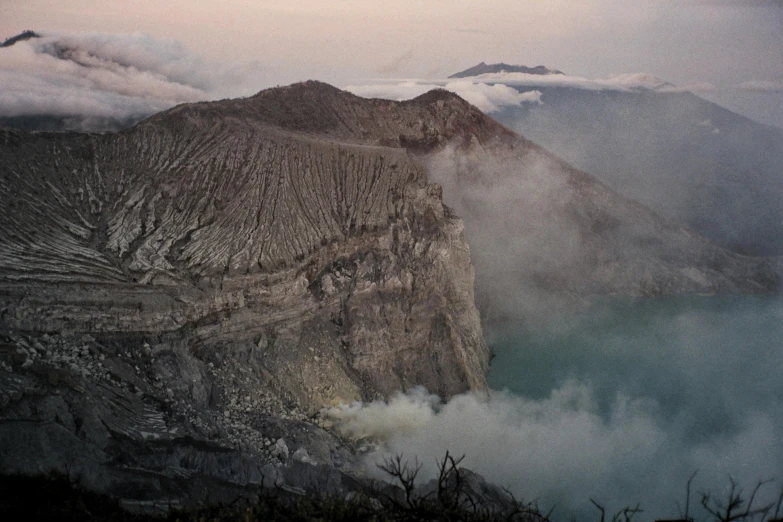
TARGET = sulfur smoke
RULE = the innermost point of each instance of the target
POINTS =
(629, 414)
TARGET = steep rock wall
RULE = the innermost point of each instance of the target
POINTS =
(179, 300)
(234, 235)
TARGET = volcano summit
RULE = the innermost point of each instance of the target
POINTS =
(179, 300)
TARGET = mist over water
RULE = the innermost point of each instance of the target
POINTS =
(623, 401)
(620, 403)
(720, 352)
(706, 372)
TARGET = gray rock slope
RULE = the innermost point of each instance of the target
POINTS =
(180, 299)
(236, 230)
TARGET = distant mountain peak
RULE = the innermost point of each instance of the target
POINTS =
(495, 68)
(26, 35)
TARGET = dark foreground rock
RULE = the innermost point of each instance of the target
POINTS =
(466, 497)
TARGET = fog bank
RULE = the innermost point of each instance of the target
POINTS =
(118, 76)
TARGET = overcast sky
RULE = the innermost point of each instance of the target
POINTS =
(734, 45)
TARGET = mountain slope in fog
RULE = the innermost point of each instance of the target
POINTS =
(566, 230)
(212, 277)
(685, 157)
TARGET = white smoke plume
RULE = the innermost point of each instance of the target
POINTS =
(404, 414)
(518, 226)
(564, 450)
(108, 75)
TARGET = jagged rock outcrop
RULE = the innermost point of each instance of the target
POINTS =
(178, 300)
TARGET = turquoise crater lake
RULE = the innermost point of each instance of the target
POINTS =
(702, 375)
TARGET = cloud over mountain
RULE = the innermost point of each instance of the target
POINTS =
(488, 98)
(491, 92)
(106, 75)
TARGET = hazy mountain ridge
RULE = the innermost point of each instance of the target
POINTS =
(497, 68)
(423, 123)
(179, 138)
(21, 37)
(681, 155)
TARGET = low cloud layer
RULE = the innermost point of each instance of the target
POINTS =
(488, 98)
(492, 92)
(116, 76)
(619, 82)
(673, 391)
(738, 96)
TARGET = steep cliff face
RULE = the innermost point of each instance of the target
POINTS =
(179, 300)
(234, 232)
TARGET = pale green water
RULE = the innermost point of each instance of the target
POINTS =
(705, 361)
